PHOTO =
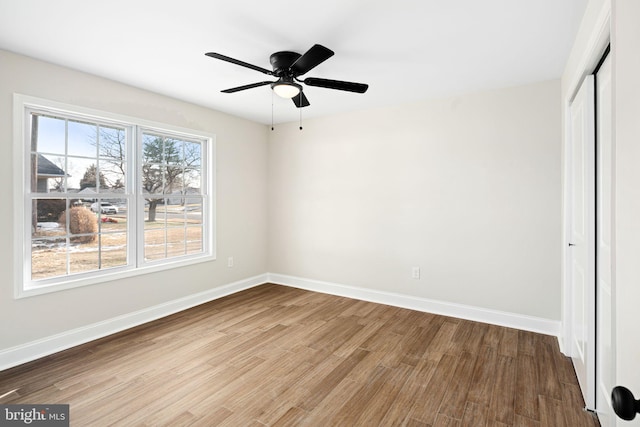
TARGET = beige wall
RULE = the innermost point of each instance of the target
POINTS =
(241, 202)
(467, 188)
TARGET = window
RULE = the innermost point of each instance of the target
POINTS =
(106, 196)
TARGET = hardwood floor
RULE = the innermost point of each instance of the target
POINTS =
(280, 356)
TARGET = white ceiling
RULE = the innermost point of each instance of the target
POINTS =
(406, 50)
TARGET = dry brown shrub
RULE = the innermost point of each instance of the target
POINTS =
(81, 221)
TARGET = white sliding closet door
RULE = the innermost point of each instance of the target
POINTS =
(604, 236)
(581, 257)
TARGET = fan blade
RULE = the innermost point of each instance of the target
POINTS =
(238, 62)
(311, 59)
(300, 100)
(251, 86)
(336, 84)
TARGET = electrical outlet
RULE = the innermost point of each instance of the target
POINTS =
(230, 262)
(415, 273)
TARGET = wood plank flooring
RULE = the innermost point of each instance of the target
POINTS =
(278, 356)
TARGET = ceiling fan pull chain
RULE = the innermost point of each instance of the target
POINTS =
(300, 109)
(271, 110)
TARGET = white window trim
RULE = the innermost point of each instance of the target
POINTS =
(21, 182)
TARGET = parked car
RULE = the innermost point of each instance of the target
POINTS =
(105, 208)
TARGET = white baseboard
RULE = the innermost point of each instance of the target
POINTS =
(43, 347)
(511, 320)
(46, 346)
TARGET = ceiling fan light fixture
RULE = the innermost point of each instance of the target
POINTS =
(286, 89)
(287, 69)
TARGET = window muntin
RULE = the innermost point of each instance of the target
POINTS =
(95, 162)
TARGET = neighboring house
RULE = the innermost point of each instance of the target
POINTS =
(47, 170)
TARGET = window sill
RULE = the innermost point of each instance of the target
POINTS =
(115, 274)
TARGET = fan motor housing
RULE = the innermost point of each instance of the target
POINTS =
(282, 61)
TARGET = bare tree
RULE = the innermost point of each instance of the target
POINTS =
(112, 148)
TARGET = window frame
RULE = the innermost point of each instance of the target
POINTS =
(24, 286)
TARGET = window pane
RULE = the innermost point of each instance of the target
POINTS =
(152, 149)
(175, 212)
(113, 175)
(83, 139)
(192, 154)
(48, 259)
(48, 239)
(85, 176)
(112, 222)
(49, 173)
(48, 212)
(114, 250)
(112, 164)
(81, 224)
(192, 181)
(113, 227)
(50, 134)
(194, 240)
(175, 242)
(112, 143)
(193, 211)
(84, 257)
(152, 179)
(173, 179)
(154, 244)
(172, 151)
(154, 213)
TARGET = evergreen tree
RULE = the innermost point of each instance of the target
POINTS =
(89, 178)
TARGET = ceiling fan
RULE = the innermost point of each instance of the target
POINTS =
(288, 67)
